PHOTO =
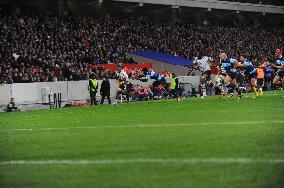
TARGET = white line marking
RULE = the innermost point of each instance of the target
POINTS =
(252, 110)
(223, 111)
(145, 161)
(148, 125)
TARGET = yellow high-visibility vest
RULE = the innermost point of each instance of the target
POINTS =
(173, 83)
(95, 83)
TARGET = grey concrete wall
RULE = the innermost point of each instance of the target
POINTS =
(29, 93)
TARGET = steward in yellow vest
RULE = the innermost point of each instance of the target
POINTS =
(174, 82)
(175, 87)
(93, 87)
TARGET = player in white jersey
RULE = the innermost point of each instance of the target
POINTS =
(203, 63)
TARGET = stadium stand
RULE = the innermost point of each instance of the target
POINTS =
(37, 48)
(264, 2)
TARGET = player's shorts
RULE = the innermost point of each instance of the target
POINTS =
(232, 75)
(253, 75)
(260, 81)
(280, 74)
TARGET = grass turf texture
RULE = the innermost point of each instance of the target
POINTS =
(195, 128)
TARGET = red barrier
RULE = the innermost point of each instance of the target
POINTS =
(129, 67)
(75, 104)
(111, 67)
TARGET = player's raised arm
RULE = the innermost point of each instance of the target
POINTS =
(278, 66)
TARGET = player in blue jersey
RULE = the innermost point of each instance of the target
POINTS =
(151, 74)
(228, 68)
(250, 72)
(279, 65)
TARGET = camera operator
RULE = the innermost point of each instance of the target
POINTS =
(11, 107)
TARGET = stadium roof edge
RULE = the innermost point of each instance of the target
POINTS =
(214, 4)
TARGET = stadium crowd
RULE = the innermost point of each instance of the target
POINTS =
(264, 2)
(37, 48)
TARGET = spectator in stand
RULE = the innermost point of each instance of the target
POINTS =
(60, 76)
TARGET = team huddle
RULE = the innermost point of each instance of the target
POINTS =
(229, 69)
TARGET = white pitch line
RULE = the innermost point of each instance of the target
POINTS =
(146, 161)
(252, 110)
(147, 125)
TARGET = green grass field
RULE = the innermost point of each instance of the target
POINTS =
(192, 143)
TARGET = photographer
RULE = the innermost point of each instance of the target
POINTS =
(11, 107)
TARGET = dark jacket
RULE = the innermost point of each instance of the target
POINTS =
(105, 88)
